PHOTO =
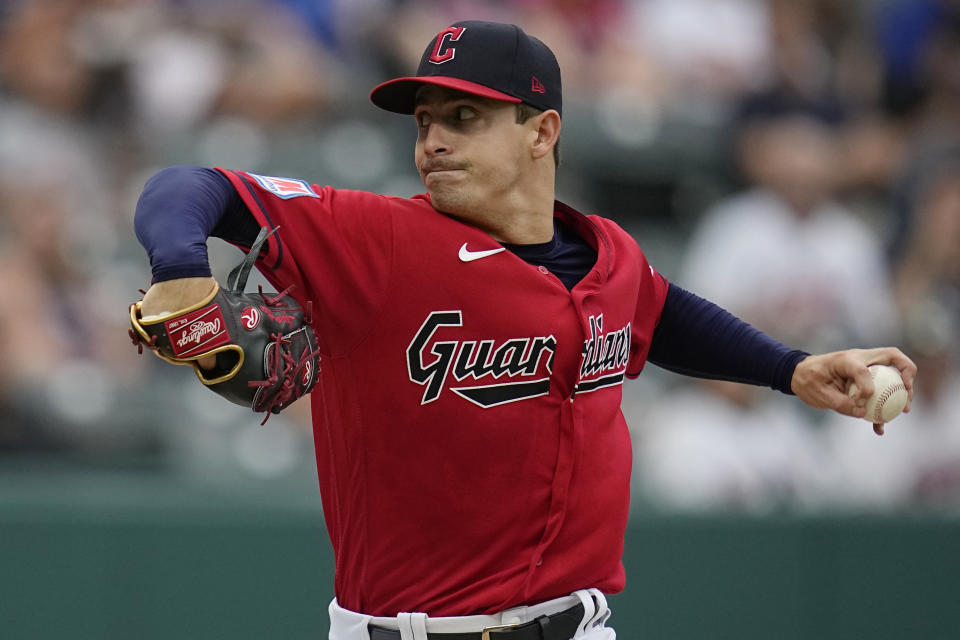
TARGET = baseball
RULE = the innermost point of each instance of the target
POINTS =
(889, 394)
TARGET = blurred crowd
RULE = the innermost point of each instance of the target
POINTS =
(795, 161)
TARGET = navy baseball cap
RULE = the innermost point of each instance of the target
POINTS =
(487, 59)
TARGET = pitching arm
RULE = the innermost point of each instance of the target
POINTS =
(697, 338)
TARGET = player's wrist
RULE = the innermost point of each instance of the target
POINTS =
(197, 268)
(804, 374)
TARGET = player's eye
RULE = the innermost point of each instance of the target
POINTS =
(423, 120)
(466, 113)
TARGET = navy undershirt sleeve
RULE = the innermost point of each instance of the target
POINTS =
(179, 208)
(697, 338)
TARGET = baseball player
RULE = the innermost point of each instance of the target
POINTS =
(473, 340)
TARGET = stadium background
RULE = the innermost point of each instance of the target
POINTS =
(796, 161)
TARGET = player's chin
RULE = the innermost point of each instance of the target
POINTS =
(445, 185)
(447, 199)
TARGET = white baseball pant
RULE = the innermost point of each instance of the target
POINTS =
(350, 625)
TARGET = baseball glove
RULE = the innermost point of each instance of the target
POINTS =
(266, 351)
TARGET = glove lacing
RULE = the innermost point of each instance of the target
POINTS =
(281, 359)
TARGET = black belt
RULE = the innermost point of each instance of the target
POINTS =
(559, 626)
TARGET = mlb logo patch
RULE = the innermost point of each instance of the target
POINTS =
(285, 187)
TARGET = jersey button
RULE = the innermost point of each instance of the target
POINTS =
(543, 270)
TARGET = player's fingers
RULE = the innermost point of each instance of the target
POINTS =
(906, 366)
(843, 403)
(878, 428)
(898, 359)
(908, 371)
(861, 377)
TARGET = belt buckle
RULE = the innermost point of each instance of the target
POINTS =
(485, 634)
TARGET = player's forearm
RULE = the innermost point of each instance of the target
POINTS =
(697, 338)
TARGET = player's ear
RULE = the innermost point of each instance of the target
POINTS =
(548, 133)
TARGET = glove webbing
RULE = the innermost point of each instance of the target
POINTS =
(291, 370)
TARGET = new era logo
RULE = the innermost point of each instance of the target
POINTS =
(536, 86)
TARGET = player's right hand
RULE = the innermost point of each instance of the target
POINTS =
(823, 381)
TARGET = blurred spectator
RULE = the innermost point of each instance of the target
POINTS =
(704, 54)
(824, 64)
(917, 462)
(784, 254)
(715, 445)
(821, 56)
(662, 68)
(918, 42)
(931, 332)
(63, 354)
(36, 57)
(927, 258)
(921, 466)
(129, 65)
(319, 16)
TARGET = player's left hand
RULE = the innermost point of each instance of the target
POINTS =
(822, 381)
(263, 350)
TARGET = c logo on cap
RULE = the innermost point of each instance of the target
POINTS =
(454, 34)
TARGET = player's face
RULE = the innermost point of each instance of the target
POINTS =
(470, 151)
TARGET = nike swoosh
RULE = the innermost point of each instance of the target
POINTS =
(469, 256)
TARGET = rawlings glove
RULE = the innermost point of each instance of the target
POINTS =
(266, 352)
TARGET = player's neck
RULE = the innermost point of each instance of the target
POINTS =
(518, 225)
(524, 216)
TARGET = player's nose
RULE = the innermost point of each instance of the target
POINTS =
(435, 142)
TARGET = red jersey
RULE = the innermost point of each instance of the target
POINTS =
(471, 450)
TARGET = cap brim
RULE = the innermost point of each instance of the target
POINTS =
(399, 95)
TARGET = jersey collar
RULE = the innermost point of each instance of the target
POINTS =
(595, 237)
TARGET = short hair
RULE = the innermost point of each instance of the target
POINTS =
(524, 113)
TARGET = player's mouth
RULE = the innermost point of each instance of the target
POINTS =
(439, 170)
(440, 174)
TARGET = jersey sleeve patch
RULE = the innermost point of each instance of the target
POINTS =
(285, 188)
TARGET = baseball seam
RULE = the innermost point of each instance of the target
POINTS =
(882, 400)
